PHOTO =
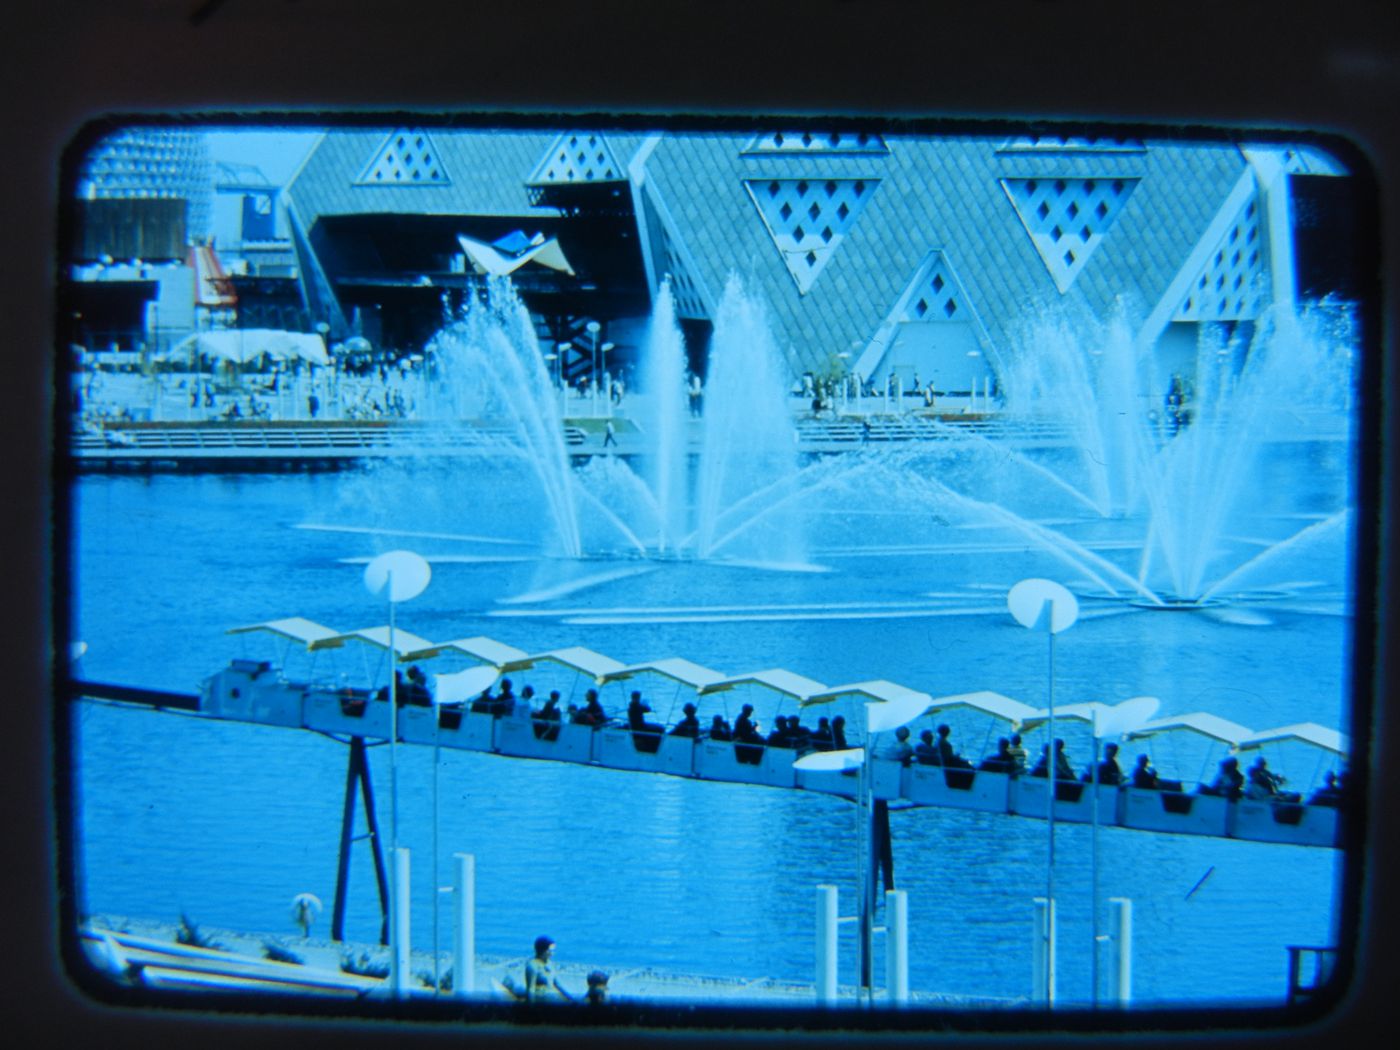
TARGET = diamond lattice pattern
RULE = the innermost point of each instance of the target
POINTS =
(1068, 218)
(1072, 142)
(577, 157)
(936, 295)
(407, 158)
(808, 218)
(817, 142)
(1228, 287)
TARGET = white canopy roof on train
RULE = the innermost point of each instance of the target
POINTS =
(786, 682)
(479, 647)
(1201, 722)
(575, 657)
(407, 646)
(309, 633)
(1083, 712)
(987, 702)
(878, 689)
(1307, 732)
(682, 670)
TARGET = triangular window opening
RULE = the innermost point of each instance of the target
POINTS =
(1229, 285)
(817, 142)
(935, 295)
(406, 158)
(1067, 218)
(808, 219)
(576, 157)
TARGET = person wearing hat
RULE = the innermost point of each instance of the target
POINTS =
(689, 725)
(541, 984)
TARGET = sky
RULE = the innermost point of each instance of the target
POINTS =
(277, 152)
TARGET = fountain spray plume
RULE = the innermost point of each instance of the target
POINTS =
(664, 419)
(491, 370)
(749, 440)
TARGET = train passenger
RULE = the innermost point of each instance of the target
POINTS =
(1063, 770)
(781, 736)
(417, 689)
(484, 704)
(547, 718)
(525, 703)
(592, 713)
(899, 749)
(748, 743)
(821, 736)
(505, 699)
(1144, 776)
(1000, 762)
(946, 755)
(1018, 754)
(801, 735)
(1327, 795)
(646, 736)
(1266, 784)
(719, 729)
(689, 725)
(926, 752)
(1109, 772)
(1229, 782)
(838, 733)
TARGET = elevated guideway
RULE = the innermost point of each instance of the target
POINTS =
(255, 691)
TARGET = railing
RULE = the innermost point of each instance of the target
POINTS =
(1324, 962)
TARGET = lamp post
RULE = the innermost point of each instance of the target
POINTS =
(593, 328)
(398, 575)
(1043, 605)
(323, 330)
(881, 716)
(607, 376)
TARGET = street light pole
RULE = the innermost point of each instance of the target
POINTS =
(594, 328)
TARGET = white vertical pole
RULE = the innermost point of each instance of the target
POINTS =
(399, 935)
(464, 935)
(826, 944)
(897, 946)
(1121, 910)
(1051, 770)
(1094, 865)
(1043, 953)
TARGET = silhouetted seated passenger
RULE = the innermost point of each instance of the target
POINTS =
(417, 688)
(898, 750)
(547, 718)
(505, 699)
(946, 755)
(1017, 751)
(1264, 784)
(484, 704)
(780, 736)
(646, 736)
(719, 730)
(800, 734)
(926, 751)
(525, 703)
(1330, 794)
(1229, 782)
(689, 725)
(838, 733)
(1001, 762)
(1063, 770)
(1109, 773)
(821, 736)
(1144, 776)
(748, 742)
(592, 713)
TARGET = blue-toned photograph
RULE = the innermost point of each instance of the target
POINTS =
(796, 566)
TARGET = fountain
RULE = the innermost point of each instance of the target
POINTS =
(1130, 498)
